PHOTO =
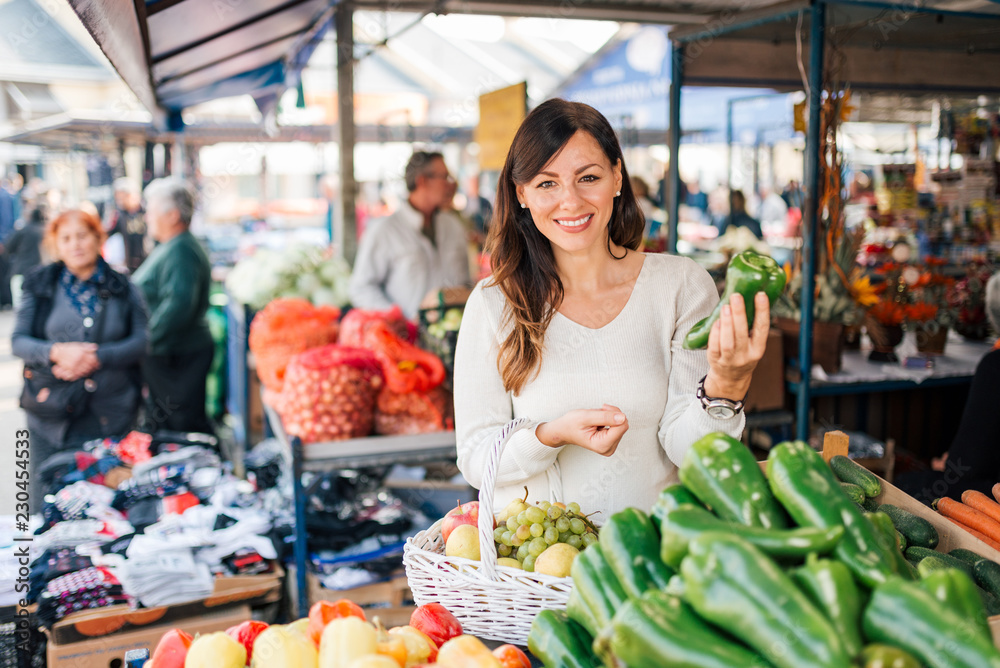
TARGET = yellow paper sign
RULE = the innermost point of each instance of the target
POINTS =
(500, 114)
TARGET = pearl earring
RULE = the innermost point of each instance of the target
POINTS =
(523, 205)
(618, 193)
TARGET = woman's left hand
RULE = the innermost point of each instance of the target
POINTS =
(734, 350)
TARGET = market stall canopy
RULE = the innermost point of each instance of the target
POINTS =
(81, 129)
(946, 46)
(176, 53)
(628, 80)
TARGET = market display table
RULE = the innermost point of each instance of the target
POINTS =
(858, 375)
(914, 404)
(411, 449)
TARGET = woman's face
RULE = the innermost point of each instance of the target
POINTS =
(77, 246)
(571, 199)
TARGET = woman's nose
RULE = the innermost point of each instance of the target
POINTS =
(569, 197)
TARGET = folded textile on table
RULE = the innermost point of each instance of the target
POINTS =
(166, 577)
(80, 590)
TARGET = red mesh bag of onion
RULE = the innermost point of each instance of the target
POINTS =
(329, 393)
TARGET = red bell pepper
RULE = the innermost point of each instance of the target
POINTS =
(324, 612)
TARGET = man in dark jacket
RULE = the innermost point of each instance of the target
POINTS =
(175, 281)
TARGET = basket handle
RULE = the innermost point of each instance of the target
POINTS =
(488, 555)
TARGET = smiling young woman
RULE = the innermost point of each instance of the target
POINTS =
(581, 333)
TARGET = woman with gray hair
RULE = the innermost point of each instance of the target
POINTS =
(175, 281)
(973, 460)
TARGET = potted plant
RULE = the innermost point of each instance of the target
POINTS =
(967, 297)
(928, 311)
(885, 317)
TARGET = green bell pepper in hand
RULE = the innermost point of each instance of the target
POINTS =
(748, 273)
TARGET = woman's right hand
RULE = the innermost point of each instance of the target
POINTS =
(599, 430)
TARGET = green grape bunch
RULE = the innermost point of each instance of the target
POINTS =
(525, 531)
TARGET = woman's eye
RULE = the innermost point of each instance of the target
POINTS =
(589, 178)
(546, 184)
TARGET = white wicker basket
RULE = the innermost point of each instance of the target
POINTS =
(494, 602)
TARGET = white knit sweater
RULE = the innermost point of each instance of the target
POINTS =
(635, 362)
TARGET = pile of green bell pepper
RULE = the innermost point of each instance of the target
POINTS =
(735, 569)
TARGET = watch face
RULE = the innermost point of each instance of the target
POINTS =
(720, 412)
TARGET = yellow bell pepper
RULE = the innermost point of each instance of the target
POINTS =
(373, 661)
(466, 652)
(284, 646)
(393, 647)
(215, 650)
(345, 640)
(420, 648)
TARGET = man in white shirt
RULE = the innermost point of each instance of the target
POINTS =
(418, 249)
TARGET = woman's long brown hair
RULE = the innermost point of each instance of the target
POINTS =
(523, 265)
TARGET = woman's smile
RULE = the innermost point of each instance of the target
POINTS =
(575, 224)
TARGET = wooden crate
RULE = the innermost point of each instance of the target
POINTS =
(390, 600)
(950, 536)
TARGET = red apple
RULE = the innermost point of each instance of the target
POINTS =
(464, 513)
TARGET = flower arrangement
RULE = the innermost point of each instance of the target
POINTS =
(888, 313)
(928, 305)
(967, 296)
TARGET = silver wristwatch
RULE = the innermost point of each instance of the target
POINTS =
(718, 408)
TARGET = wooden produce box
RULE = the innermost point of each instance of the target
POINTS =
(230, 592)
(107, 651)
(389, 600)
(950, 536)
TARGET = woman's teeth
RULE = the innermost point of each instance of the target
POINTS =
(574, 223)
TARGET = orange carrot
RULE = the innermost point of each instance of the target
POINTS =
(984, 504)
(975, 534)
(970, 517)
(996, 491)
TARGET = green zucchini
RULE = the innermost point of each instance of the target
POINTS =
(987, 575)
(903, 543)
(966, 555)
(918, 531)
(870, 505)
(856, 493)
(848, 471)
(918, 554)
(991, 602)
(928, 565)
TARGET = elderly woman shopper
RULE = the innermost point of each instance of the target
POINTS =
(175, 281)
(81, 331)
